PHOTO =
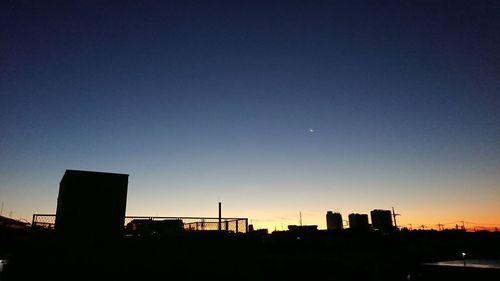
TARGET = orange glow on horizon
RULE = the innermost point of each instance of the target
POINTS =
(410, 222)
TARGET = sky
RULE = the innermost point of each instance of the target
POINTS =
(274, 108)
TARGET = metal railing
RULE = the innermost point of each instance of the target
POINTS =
(236, 225)
(46, 221)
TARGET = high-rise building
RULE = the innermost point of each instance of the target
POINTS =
(358, 221)
(334, 221)
(91, 205)
(382, 220)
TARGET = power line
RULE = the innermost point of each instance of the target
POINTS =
(476, 223)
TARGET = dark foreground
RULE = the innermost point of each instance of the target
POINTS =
(319, 255)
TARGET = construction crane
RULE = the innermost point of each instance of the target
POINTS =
(394, 216)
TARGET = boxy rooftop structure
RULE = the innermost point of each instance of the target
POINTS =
(91, 204)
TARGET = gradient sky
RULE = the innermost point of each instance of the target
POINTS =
(201, 101)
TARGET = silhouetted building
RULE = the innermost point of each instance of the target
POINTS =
(333, 221)
(381, 220)
(261, 231)
(302, 227)
(148, 227)
(358, 221)
(91, 205)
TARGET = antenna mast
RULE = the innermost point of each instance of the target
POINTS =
(220, 217)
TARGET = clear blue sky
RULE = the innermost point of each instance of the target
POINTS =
(201, 101)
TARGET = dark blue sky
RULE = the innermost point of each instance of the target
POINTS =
(207, 100)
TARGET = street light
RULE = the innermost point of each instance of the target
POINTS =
(463, 257)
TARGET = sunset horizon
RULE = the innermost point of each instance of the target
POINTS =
(274, 108)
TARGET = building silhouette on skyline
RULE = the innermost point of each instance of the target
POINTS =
(94, 197)
(301, 228)
(334, 221)
(358, 222)
(381, 220)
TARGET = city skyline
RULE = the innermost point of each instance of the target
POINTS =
(282, 223)
(271, 107)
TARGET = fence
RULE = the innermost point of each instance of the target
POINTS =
(236, 225)
(47, 221)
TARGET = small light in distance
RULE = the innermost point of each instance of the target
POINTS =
(311, 131)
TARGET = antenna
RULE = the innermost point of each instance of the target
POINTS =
(394, 216)
(220, 217)
(300, 215)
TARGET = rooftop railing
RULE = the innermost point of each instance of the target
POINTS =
(236, 225)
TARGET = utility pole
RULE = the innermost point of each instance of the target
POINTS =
(440, 226)
(394, 216)
(220, 217)
(300, 216)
